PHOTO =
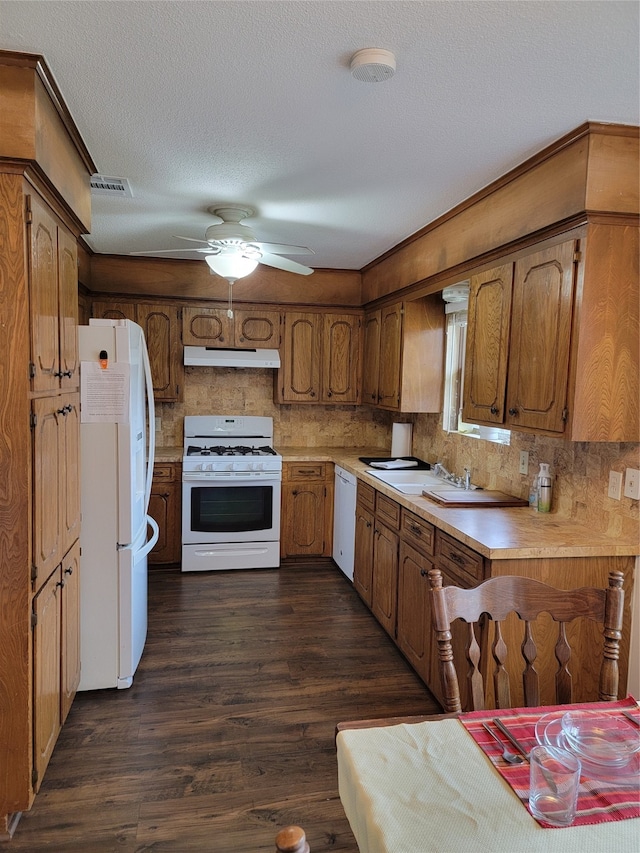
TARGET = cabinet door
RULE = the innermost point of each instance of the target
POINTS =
(161, 326)
(541, 339)
(390, 355)
(114, 310)
(256, 329)
(70, 629)
(299, 376)
(341, 358)
(385, 577)
(485, 374)
(206, 327)
(46, 672)
(415, 632)
(165, 507)
(371, 358)
(68, 308)
(363, 560)
(47, 470)
(69, 426)
(43, 299)
(303, 511)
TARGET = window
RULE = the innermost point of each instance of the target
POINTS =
(456, 299)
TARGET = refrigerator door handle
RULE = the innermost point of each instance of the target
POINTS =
(154, 537)
(152, 424)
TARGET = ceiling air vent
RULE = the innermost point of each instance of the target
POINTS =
(102, 185)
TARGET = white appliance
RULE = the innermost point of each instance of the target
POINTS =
(231, 487)
(117, 443)
(344, 524)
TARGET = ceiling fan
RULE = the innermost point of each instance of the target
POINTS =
(232, 251)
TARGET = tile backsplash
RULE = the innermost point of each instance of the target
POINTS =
(580, 470)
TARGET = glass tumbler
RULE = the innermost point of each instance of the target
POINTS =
(554, 783)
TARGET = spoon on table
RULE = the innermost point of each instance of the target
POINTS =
(509, 757)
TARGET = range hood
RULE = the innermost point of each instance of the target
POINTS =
(218, 357)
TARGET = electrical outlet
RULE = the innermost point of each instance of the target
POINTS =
(158, 424)
(615, 485)
(524, 462)
(632, 484)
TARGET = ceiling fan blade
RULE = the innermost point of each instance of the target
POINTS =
(206, 250)
(284, 264)
(190, 239)
(283, 249)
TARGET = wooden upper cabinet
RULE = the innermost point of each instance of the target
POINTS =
(113, 310)
(43, 298)
(404, 356)
(161, 326)
(371, 357)
(390, 357)
(517, 363)
(206, 327)
(254, 328)
(298, 380)
(68, 308)
(540, 339)
(341, 358)
(249, 328)
(489, 322)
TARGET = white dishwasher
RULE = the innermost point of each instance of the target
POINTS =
(344, 520)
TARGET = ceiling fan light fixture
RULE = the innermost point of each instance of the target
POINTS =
(232, 264)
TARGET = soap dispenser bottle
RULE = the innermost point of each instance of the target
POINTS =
(544, 488)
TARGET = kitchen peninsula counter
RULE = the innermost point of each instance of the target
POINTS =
(497, 533)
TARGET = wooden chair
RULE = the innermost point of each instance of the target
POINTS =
(291, 839)
(500, 596)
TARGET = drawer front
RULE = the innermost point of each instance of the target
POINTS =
(301, 472)
(366, 495)
(417, 532)
(164, 472)
(455, 557)
(388, 510)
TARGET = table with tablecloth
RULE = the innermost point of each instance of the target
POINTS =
(429, 788)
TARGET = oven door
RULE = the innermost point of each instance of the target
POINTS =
(233, 507)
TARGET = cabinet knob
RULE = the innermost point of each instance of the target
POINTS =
(368, 524)
(423, 573)
(513, 411)
(294, 492)
(68, 373)
(60, 583)
(68, 570)
(329, 394)
(494, 410)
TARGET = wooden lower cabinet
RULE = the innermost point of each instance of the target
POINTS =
(165, 506)
(56, 657)
(394, 551)
(363, 558)
(307, 509)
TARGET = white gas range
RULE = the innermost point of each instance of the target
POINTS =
(231, 485)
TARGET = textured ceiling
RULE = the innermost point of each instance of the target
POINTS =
(252, 101)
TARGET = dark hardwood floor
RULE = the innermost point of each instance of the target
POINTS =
(227, 733)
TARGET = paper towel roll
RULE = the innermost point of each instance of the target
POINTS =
(401, 440)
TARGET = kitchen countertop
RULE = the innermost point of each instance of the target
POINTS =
(504, 533)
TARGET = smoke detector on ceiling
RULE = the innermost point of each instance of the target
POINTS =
(373, 65)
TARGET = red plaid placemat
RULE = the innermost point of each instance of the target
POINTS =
(599, 800)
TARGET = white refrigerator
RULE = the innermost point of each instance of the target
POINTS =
(117, 445)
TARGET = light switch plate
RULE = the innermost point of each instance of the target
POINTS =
(615, 485)
(524, 462)
(632, 484)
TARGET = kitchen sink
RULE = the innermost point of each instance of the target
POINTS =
(410, 482)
